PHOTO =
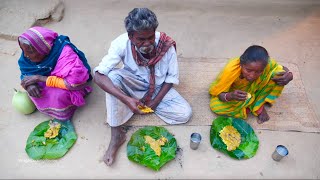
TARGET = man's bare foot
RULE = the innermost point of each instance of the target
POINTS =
(263, 116)
(118, 137)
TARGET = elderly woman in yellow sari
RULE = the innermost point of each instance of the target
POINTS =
(247, 83)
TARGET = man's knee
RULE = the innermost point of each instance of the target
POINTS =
(186, 114)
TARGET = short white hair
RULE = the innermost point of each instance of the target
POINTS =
(24, 41)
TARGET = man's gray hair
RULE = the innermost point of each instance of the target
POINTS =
(140, 19)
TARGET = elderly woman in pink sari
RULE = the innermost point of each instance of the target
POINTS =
(53, 72)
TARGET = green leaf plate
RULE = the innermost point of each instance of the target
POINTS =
(249, 141)
(140, 152)
(39, 147)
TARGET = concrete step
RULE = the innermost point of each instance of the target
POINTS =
(17, 16)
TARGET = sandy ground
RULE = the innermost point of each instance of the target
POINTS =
(289, 29)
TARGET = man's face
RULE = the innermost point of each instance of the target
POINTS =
(143, 40)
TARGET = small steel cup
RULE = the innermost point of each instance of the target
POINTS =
(195, 140)
(280, 152)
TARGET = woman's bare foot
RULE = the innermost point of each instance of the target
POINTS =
(118, 137)
(268, 104)
(263, 116)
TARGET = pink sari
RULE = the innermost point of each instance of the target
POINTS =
(60, 103)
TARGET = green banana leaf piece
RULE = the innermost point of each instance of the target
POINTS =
(249, 141)
(39, 147)
(140, 152)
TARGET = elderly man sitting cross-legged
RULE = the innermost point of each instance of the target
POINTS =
(149, 71)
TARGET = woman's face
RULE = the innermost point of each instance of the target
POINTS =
(31, 53)
(251, 71)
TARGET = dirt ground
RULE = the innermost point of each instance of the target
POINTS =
(211, 29)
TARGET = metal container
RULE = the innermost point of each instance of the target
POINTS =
(280, 152)
(195, 140)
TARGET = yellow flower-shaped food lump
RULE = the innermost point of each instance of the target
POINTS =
(277, 71)
(231, 137)
(156, 144)
(248, 95)
(53, 131)
(145, 109)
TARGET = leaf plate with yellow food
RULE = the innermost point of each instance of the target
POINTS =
(152, 147)
(234, 137)
(51, 139)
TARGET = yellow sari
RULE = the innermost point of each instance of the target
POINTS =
(262, 90)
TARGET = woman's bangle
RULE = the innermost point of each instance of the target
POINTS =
(225, 97)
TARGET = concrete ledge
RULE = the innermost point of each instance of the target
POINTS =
(17, 16)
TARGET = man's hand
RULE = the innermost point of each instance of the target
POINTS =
(133, 104)
(30, 80)
(105, 83)
(34, 91)
(238, 95)
(283, 78)
(153, 104)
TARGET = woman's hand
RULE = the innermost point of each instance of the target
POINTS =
(283, 78)
(133, 104)
(34, 91)
(30, 80)
(238, 95)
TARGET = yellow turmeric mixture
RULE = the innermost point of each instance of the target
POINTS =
(156, 144)
(231, 137)
(145, 109)
(248, 95)
(53, 131)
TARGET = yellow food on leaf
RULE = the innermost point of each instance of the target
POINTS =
(145, 109)
(230, 137)
(248, 95)
(162, 140)
(53, 131)
(156, 144)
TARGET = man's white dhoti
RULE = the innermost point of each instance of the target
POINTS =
(173, 109)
